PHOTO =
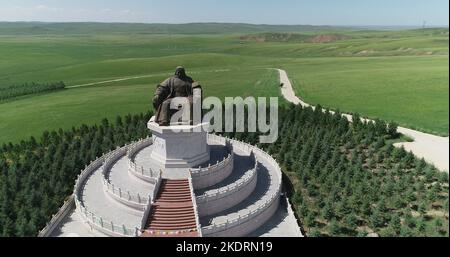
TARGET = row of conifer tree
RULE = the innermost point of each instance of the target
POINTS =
(344, 179)
(29, 89)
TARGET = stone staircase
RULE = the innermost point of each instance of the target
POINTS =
(173, 211)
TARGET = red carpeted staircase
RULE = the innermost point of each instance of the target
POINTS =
(173, 211)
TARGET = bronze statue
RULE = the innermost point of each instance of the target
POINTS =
(179, 85)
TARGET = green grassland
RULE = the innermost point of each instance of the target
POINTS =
(394, 75)
(409, 90)
(30, 116)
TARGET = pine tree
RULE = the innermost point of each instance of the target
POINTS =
(351, 222)
(421, 226)
(334, 228)
(395, 224)
(423, 208)
(377, 219)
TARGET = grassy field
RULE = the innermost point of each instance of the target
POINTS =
(31, 115)
(409, 90)
(394, 75)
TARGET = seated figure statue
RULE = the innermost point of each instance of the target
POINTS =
(179, 85)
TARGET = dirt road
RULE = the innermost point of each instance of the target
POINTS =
(433, 149)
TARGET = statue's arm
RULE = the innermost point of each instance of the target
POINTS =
(161, 94)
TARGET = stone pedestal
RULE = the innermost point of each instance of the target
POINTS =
(179, 146)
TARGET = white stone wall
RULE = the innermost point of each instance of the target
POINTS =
(228, 196)
(211, 175)
(194, 203)
(135, 201)
(179, 146)
(238, 224)
(148, 175)
(67, 207)
(134, 148)
(245, 224)
(103, 225)
(250, 219)
(100, 224)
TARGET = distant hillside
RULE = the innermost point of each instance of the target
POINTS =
(294, 38)
(36, 28)
(428, 32)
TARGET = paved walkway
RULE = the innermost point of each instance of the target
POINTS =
(242, 165)
(433, 149)
(265, 187)
(120, 177)
(73, 225)
(282, 224)
(97, 201)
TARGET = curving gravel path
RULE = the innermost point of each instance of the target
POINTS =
(433, 149)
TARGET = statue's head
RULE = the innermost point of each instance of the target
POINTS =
(180, 72)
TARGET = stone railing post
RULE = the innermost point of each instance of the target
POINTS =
(194, 202)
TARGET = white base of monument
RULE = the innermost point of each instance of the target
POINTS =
(181, 146)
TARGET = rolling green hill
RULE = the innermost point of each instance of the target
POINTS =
(37, 28)
(394, 75)
(294, 38)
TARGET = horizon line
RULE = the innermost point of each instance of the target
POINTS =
(215, 22)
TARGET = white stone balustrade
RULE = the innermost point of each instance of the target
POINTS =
(148, 174)
(58, 217)
(157, 184)
(105, 226)
(243, 216)
(213, 174)
(194, 203)
(138, 146)
(124, 196)
(150, 203)
(206, 171)
(244, 181)
(102, 225)
(265, 207)
(241, 222)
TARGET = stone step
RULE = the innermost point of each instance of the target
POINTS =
(175, 181)
(171, 201)
(180, 234)
(174, 191)
(172, 205)
(174, 221)
(175, 184)
(180, 226)
(181, 184)
(183, 198)
(172, 211)
(183, 215)
(177, 225)
(180, 190)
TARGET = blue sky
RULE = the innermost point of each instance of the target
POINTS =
(315, 12)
